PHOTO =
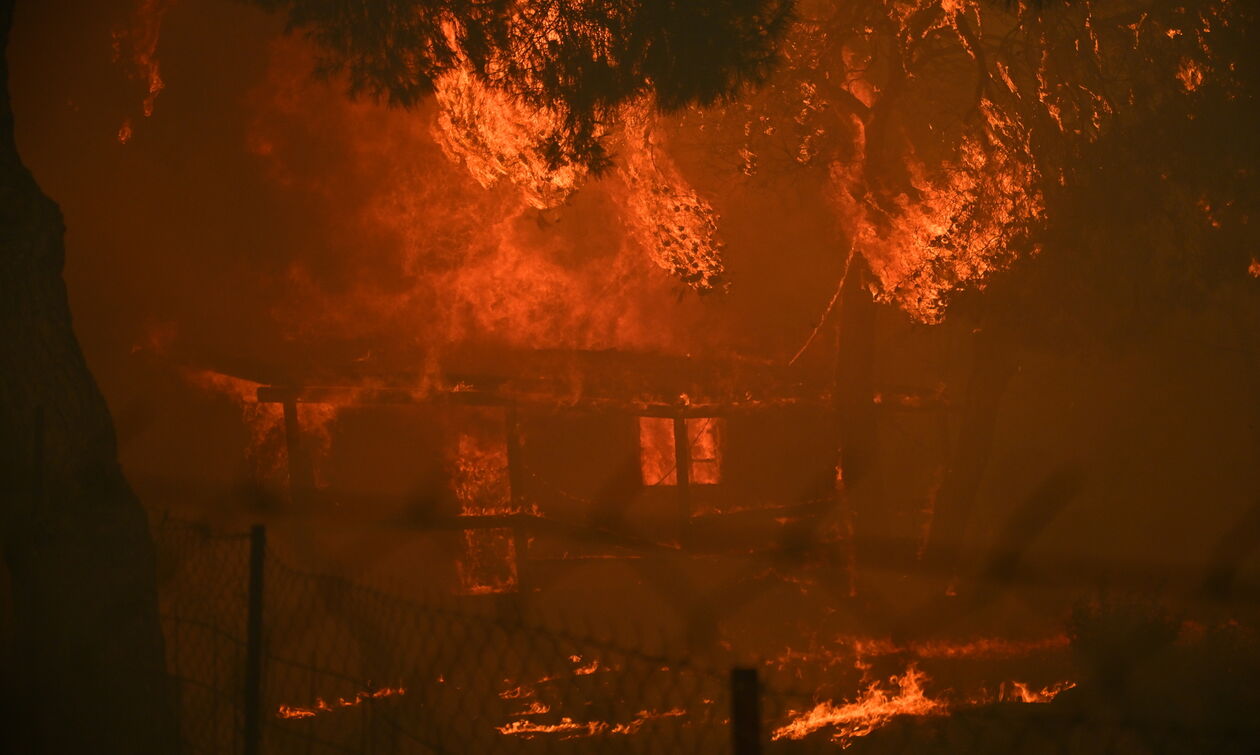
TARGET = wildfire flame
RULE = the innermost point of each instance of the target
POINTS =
(480, 483)
(323, 706)
(1022, 693)
(569, 728)
(495, 137)
(266, 450)
(677, 227)
(873, 708)
(902, 695)
(138, 42)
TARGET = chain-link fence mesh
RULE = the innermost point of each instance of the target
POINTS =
(202, 583)
(347, 668)
(351, 669)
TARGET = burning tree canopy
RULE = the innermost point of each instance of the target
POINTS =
(580, 60)
(954, 132)
(961, 136)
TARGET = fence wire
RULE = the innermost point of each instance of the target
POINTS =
(350, 669)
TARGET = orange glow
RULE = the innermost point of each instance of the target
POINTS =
(585, 669)
(1021, 693)
(479, 479)
(138, 43)
(656, 451)
(495, 137)
(657, 460)
(569, 728)
(267, 449)
(322, 706)
(704, 434)
(449, 261)
(987, 647)
(1191, 74)
(850, 650)
(672, 222)
(956, 231)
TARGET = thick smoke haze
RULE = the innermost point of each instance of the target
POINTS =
(908, 391)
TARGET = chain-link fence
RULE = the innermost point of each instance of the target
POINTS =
(345, 668)
(270, 658)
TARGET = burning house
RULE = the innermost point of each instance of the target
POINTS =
(544, 460)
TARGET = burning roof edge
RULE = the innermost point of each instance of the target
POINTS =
(647, 384)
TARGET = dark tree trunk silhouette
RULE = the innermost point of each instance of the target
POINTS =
(84, 672)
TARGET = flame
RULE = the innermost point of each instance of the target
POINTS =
(987, 647)
(416, 251)
(657, 459)
(846, 650)
(657, 462)
(267, 449)
(570, 728)
(958, 228)
(479, 480)
(495, 137)
(874, 708)
(1022, 693)
(322, 706)
(138, 42)
(668, 218)
(1191, 74)
(587, 669)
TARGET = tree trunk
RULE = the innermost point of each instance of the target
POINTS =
(85, 672)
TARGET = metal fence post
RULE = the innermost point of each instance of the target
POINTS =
(745, 712)
(253, 641)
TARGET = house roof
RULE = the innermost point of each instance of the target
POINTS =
(641, 383)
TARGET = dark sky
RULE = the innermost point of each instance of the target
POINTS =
(259, 217)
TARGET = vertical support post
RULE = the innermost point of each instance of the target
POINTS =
(520, 534)
(301, 474)
(682, 471)
(745, 712)
(253, 642)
